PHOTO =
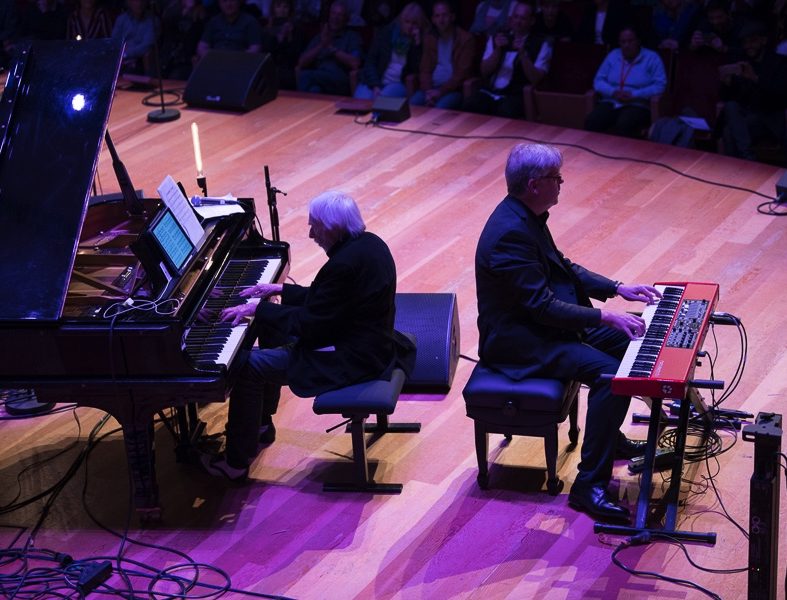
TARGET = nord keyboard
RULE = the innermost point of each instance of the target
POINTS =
(661, 363)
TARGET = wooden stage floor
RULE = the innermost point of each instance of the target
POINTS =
(428, 196)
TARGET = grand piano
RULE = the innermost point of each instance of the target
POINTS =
(89, 315)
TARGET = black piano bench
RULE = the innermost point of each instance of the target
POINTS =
(531, 407)
(356, 403)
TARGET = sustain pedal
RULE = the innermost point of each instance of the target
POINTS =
(665, 458)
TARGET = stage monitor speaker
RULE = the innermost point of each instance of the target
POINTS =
(231, 80)
(434, 320)
(391, 109)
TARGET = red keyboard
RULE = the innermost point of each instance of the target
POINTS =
(661, 363)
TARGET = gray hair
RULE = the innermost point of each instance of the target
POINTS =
(413, 10)
(337, 211)
(530, 161)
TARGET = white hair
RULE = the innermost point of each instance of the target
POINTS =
(337, 211)
(530, 161)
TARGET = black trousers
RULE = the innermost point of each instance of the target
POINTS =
(587, 361)
(627, 121)
(510, 106)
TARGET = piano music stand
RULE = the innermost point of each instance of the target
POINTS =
(670, 499)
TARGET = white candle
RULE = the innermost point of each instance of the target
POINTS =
(197, 151)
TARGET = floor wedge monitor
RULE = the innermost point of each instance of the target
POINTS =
(229, 80)
(434, 321)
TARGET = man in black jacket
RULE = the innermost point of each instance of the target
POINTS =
(754, 91)
(340, 330)
(535, 318)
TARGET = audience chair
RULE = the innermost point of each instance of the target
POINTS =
(529, 407)
(565, 96)
(356, 403)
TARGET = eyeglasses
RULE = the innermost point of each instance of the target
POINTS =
(558, 178)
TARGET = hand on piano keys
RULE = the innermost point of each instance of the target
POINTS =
(639, 292)
(632, 325)
(262, 291)
(238, 314)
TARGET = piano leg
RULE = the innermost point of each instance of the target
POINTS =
(141, 455)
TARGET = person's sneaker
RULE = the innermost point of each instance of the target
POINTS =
(267, 435)
(218, 466)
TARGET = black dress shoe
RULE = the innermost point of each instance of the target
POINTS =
(627, 448)
(267, 435)
(594, 501)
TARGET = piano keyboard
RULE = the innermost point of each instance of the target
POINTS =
(641, 355)
(215, 343)
(660, 363)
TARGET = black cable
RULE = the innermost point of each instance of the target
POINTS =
(14, 504)
(769, 208)
(155, 574)
(711, 480)
(676, 542)
(147, 100)
(570, 145)
(645, 538)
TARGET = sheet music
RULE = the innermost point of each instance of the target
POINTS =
(179, 205)
(212, 211)
(696, 123)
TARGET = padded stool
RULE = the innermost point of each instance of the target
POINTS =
(532, 407)
(356, 403)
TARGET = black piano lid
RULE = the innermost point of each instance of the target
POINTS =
(52, 119)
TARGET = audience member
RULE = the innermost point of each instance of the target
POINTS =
(325, 65)
(307, 12)
(491, 16)
(394, 54)
(88, 21)
(512, 59)
(602, 21)
(446, 62)
(716, 30)
(673, 23)
(261, 9)
(377, 13)
(780, 14)
(754, 91)
(42, 20)
(232, 29)
(182, 26)
(283, 38)
(7, 31)
(138, 28)
(354, 9)
(629, 76)
(552, 24)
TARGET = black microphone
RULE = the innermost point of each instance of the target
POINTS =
(164, 114)
(133, 204)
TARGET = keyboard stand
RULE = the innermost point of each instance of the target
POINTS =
(672, 495)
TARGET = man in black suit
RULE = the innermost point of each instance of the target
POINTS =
(535, 318)
(336, 332)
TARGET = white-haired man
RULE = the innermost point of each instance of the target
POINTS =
(336, 332)
(535, 318)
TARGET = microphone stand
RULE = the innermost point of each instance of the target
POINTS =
(274, 213)
(164, 114)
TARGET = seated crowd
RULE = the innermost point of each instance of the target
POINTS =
(478, 56)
